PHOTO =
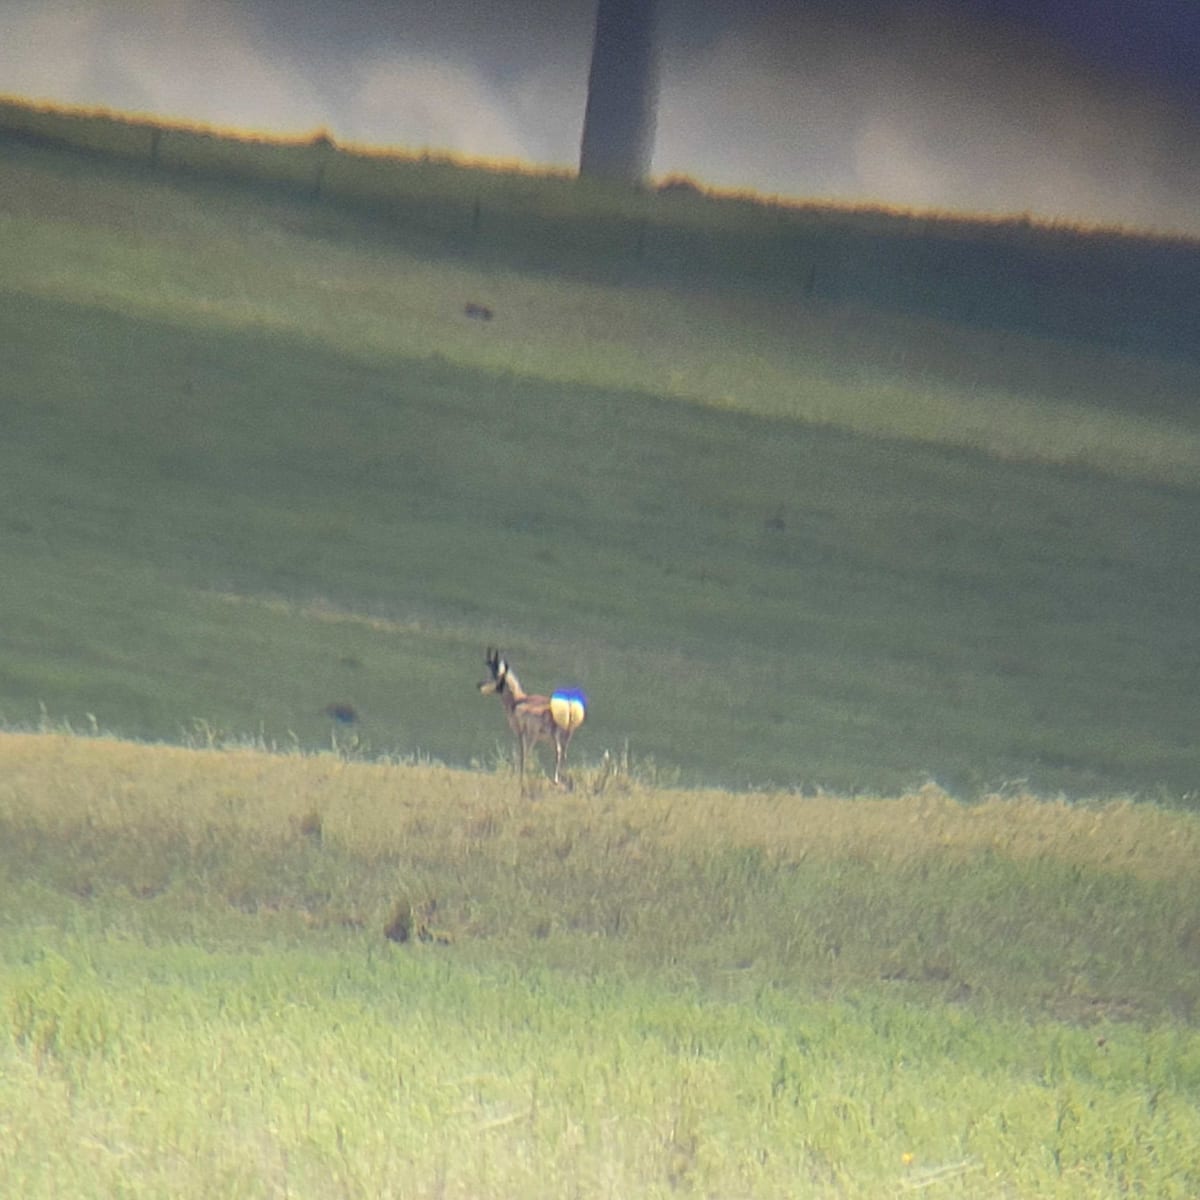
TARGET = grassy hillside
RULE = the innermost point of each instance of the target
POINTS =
(1100, 288)
(258, 462)
(624, 992)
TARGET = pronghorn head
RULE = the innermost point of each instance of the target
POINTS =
(498, 673)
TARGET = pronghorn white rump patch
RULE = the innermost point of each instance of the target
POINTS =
(568, 708)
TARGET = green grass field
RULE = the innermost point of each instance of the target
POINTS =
(827, 506)
(630, 992)
(637, 993)
(257, 462)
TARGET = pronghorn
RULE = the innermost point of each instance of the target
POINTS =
(534, 719)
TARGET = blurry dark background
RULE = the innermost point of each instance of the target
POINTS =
(1086, 111)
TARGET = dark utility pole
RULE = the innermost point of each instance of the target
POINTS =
(618, 127)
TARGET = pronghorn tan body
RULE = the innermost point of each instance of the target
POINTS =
(534, 718)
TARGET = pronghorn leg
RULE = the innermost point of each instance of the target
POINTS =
(524, 749)
(560, 758)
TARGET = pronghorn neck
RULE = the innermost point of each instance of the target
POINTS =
(513, 691)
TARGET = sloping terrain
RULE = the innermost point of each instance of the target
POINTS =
(260, 466)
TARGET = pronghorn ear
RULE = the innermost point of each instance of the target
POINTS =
(496, 664)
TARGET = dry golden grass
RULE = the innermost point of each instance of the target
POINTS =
(366, 806)
(1138, 839)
